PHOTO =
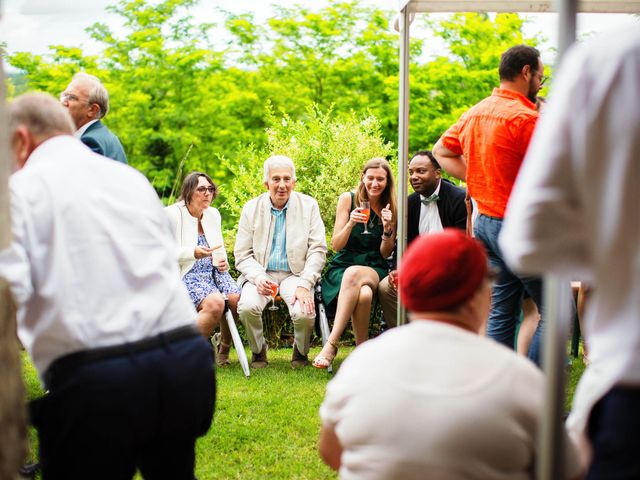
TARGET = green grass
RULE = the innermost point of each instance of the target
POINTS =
(266, 426)
(263, 427)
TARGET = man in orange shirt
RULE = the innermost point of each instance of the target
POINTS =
(486, 148)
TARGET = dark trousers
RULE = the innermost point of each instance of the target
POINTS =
(507, 291)
(105, 418)
(614, 432)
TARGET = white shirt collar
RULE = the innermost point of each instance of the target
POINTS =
(435, 192)
(84, 128)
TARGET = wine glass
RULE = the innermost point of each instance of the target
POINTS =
(365, 209)
(274, 292)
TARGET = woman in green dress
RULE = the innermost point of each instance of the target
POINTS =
(362, 241)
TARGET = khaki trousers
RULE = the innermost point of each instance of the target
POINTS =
(251, 305)
(388, 298)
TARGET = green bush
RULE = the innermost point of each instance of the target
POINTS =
(328, 152)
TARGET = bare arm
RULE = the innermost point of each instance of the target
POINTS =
(330, 448)
(453, 163)
(344, 222)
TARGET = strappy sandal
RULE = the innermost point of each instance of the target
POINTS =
(223, 354)
(323, 360)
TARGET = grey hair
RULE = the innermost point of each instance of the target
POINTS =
(41, 114)
(97, 93)
(278, 161)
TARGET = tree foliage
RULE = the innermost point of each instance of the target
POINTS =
(172, 91)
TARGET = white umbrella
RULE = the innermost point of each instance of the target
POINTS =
(237, 343)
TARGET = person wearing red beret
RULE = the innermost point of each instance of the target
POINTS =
(433, 399)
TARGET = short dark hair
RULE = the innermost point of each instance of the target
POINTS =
(190, 184)
(427, 153)
(514, 59)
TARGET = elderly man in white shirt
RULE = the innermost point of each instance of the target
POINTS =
(101, 309)
(281, 244)
(574, 212)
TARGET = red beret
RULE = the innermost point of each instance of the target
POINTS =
(441, 270)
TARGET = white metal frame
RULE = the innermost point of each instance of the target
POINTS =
(551, 445)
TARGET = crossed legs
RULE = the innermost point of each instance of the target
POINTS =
(211, 314)
(354, 302)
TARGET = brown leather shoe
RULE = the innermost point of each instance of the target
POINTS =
(259, 360)
(297, 359)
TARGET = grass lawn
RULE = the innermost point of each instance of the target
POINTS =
(263, 427)
(267, 426)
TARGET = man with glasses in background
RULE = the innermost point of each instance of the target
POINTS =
(486, 148)
(88, 102)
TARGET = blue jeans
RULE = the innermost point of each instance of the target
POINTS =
(507, 291)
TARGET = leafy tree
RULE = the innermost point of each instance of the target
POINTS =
(172, 92)
(342, 57)
(442, 89)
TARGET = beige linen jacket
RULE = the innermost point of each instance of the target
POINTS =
(306, 240)
(185, 230)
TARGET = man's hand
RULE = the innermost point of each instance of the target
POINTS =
(303, 295)
(264, 287)
(393, 279)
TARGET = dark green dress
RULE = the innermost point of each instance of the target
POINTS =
(359, 250)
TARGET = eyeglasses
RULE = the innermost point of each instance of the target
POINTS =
(203, 190)
(69, 97)
(543, 78)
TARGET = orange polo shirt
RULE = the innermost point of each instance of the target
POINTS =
(493, 136)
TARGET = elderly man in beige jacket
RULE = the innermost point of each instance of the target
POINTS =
(280, 243)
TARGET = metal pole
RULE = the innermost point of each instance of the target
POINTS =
(403, 143)
(557, 300)
(5, 225)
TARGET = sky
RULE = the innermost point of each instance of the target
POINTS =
(33, 25)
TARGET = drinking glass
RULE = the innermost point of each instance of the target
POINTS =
(274, 292)
(217, 255)
(365, 209)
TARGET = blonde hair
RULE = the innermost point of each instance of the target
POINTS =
(388, 195)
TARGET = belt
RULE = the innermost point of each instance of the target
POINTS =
(75, 360)
(489, 216)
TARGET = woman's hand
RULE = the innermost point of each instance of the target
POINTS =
(356, 216)
(222, 265)
(387, 218)
(201, 252)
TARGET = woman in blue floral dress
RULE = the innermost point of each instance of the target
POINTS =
(202, 257)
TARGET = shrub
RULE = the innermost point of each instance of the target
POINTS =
(328, 152)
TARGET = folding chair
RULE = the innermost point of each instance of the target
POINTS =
(237, 341)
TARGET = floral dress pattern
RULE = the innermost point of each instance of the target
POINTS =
(204, 278)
